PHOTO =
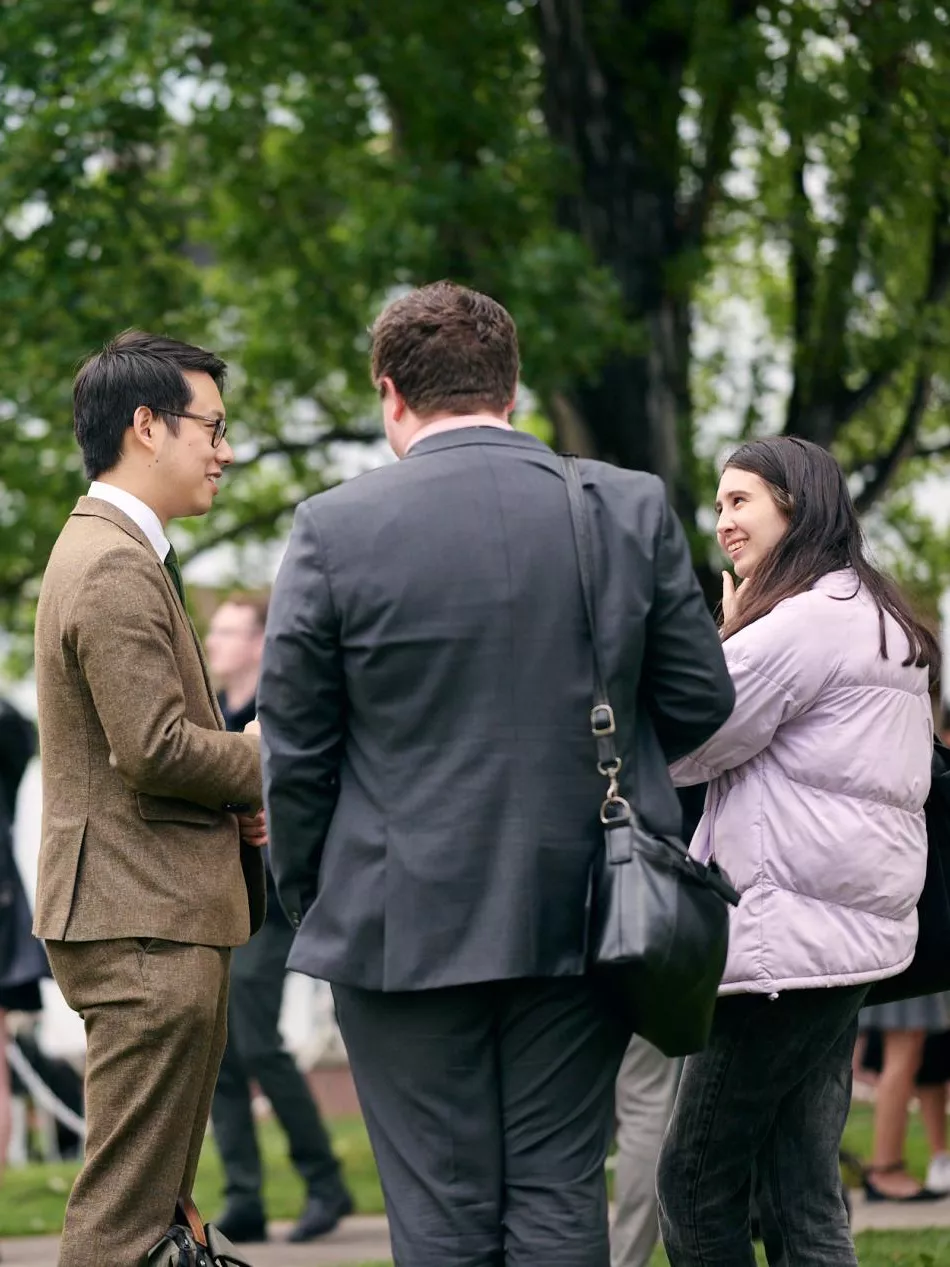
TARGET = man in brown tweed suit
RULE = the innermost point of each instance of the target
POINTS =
(150, 868)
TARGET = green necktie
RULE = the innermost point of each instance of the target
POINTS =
(171, 562)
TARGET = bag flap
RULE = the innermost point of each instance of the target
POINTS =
(222, 1252)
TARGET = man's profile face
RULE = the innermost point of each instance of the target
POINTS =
(188, 467)
(235, 642)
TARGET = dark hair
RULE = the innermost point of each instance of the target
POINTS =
(133, 369)
(256, 601)
(448, 349)
(823, 535)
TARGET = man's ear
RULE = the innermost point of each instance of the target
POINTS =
(399, 401)
(144, 428)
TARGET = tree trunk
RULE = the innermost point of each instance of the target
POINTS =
(619, 129)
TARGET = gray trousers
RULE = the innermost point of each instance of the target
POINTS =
(645, 1091)
(490, 1111)
(255, 1051)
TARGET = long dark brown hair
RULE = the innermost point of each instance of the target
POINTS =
(823, 535)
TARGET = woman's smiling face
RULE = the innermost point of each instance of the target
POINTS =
(750, 523)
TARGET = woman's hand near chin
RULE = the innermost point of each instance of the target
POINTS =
(731, 598)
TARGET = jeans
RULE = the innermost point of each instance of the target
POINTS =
(770, 1093)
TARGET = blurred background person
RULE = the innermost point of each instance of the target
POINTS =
(644, 1096)
(905, 1052)
(907, 1045)
(22, 958)
(255, 1050)
(645, 1091)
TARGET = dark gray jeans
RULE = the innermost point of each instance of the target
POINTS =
(771, 1092)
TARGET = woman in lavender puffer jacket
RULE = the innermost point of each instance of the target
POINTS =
(815, 809)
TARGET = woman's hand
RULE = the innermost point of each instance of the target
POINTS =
(731, 598)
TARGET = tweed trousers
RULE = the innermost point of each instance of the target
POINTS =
(155, 1014)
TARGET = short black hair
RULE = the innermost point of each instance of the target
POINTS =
(133, 369)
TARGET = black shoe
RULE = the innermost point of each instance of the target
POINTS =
(242, 1221)
(321, 1215)
(873, 1193)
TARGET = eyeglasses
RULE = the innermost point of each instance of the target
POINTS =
(219, 424)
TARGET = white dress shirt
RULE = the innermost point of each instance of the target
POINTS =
(137, 511)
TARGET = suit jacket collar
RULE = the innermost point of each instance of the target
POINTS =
(466, 436)
(137, 510)
(99, 509)
(96, 508)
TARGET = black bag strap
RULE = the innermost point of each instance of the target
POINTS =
(603, 724)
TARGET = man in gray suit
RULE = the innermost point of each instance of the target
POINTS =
(432, 789)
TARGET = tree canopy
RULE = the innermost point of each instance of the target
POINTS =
(710, 219)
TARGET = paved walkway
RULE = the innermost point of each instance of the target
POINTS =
(365, 1239)
(361, 1239)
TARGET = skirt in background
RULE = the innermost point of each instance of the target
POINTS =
(930, 1012)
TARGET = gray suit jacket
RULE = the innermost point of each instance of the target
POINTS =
(430, 776)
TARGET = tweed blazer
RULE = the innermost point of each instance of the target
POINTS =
(137, 765)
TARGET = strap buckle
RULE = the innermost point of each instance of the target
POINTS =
(602, 721)
(615, 810)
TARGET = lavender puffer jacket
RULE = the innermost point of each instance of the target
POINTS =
(817, 783)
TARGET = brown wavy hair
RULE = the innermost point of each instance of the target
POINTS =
(823, 535)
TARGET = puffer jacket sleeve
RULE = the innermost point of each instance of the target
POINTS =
(777, 668)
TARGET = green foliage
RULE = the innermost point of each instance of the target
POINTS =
(262, 176)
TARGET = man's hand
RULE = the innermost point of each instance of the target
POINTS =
(253, 826)
(253, 728)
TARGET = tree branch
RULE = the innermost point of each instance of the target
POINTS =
(819, 416)
(851, 401)
(336, 435)
(263, 519)
(802, 244)
(932, 450)
(717, 142)
(885, 468)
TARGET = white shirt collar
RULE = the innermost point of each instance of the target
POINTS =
(140, 514)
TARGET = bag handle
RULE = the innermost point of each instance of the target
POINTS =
(189, 1212)
(615, 809)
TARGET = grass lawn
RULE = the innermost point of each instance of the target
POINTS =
(883, 1249)
(32, 1199)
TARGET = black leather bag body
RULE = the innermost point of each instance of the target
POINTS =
(191, 1243)
(929, 972)
(659, 919)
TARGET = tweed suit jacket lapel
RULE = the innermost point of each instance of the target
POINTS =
(105, 510)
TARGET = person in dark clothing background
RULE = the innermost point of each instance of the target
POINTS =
(255, 1050)
(23, 961)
